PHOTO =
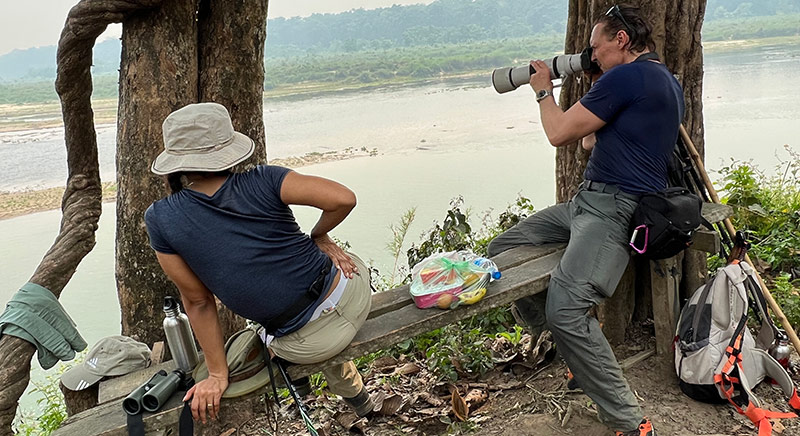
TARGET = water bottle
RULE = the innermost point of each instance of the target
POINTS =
(488, 266)
(179, 336)
(780, 351)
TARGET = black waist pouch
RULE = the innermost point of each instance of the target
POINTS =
(663, 222)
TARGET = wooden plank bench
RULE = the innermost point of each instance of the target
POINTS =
(393, 318)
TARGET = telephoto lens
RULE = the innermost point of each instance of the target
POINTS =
(510, 78)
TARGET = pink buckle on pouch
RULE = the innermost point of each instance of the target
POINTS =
(633, 238)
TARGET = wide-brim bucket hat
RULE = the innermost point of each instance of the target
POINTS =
(200, 137)
(247, 370)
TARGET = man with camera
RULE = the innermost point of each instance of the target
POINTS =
(629, 119)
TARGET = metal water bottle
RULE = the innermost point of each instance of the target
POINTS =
(780, 351)
(179, 336)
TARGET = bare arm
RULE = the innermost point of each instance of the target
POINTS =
(561, 127)
(201, 307)
(588, 142)
(334, 199)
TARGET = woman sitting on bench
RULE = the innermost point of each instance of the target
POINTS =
(234, 236)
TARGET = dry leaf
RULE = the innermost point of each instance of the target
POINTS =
(228, 432)
(475, 398)
(460, 407)
(433, 400)
(777, 427)
(430, 411)
(407, 369)
(392, 405)
(351, 422)
(384, 362)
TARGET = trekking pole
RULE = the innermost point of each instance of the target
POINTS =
(699, 188)
(715, 198)
(293, 393)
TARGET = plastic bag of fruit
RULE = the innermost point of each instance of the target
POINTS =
(447, 280)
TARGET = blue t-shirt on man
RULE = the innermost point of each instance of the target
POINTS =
(244, 244)
(642, 105)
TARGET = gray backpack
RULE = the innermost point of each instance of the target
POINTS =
(717, 358)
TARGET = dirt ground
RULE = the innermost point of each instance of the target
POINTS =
(518, 398)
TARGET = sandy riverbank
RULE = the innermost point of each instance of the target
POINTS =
(17, 203)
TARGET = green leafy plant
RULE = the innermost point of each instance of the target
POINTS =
(52, 409)
(395, 247)
(768, 209)
(787, 294)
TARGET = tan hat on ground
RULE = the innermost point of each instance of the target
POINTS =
(247, 371)
(200, 137)
(111, 356)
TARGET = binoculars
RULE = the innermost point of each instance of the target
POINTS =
(152, 395)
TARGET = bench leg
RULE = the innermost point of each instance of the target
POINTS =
(665, 277)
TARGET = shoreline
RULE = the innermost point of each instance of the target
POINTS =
(19, 203)
(47, 115)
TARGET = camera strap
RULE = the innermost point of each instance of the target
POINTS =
(649, 56)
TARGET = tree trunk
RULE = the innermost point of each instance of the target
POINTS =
(672, 21)
(158, 75)
(231, 73)
(81, 204)
(231, 47)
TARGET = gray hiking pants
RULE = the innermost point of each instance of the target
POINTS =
(595, 225)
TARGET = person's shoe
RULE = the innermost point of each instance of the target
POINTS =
(573, 385)
(302, 386)
(362, 404)
(645, 429)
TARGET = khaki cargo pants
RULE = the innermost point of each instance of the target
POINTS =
(329, 334)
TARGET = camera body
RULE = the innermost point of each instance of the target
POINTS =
(153, 394)
(510, 78)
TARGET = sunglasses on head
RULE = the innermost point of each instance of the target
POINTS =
(616, 13)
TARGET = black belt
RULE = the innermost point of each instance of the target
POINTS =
(607, 188)
(307, 299)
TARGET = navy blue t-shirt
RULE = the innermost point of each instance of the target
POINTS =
(642, 105)
(243, 243)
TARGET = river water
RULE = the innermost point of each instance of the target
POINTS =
(434, 142)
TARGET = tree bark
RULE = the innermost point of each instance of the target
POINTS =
(672, 21)
(231, 73)
(158, 75)
(81, 204)
(231, 45)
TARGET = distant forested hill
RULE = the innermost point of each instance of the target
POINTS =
(443, 22)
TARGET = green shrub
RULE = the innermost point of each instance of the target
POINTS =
(767, 209)
(53, 411)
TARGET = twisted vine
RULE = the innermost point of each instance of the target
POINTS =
(82, 202)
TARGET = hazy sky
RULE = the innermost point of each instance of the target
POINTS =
(34, 23)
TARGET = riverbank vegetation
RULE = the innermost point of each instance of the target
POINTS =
(364, 65)
(767, 208)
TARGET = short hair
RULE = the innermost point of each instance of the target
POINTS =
(638, 29)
